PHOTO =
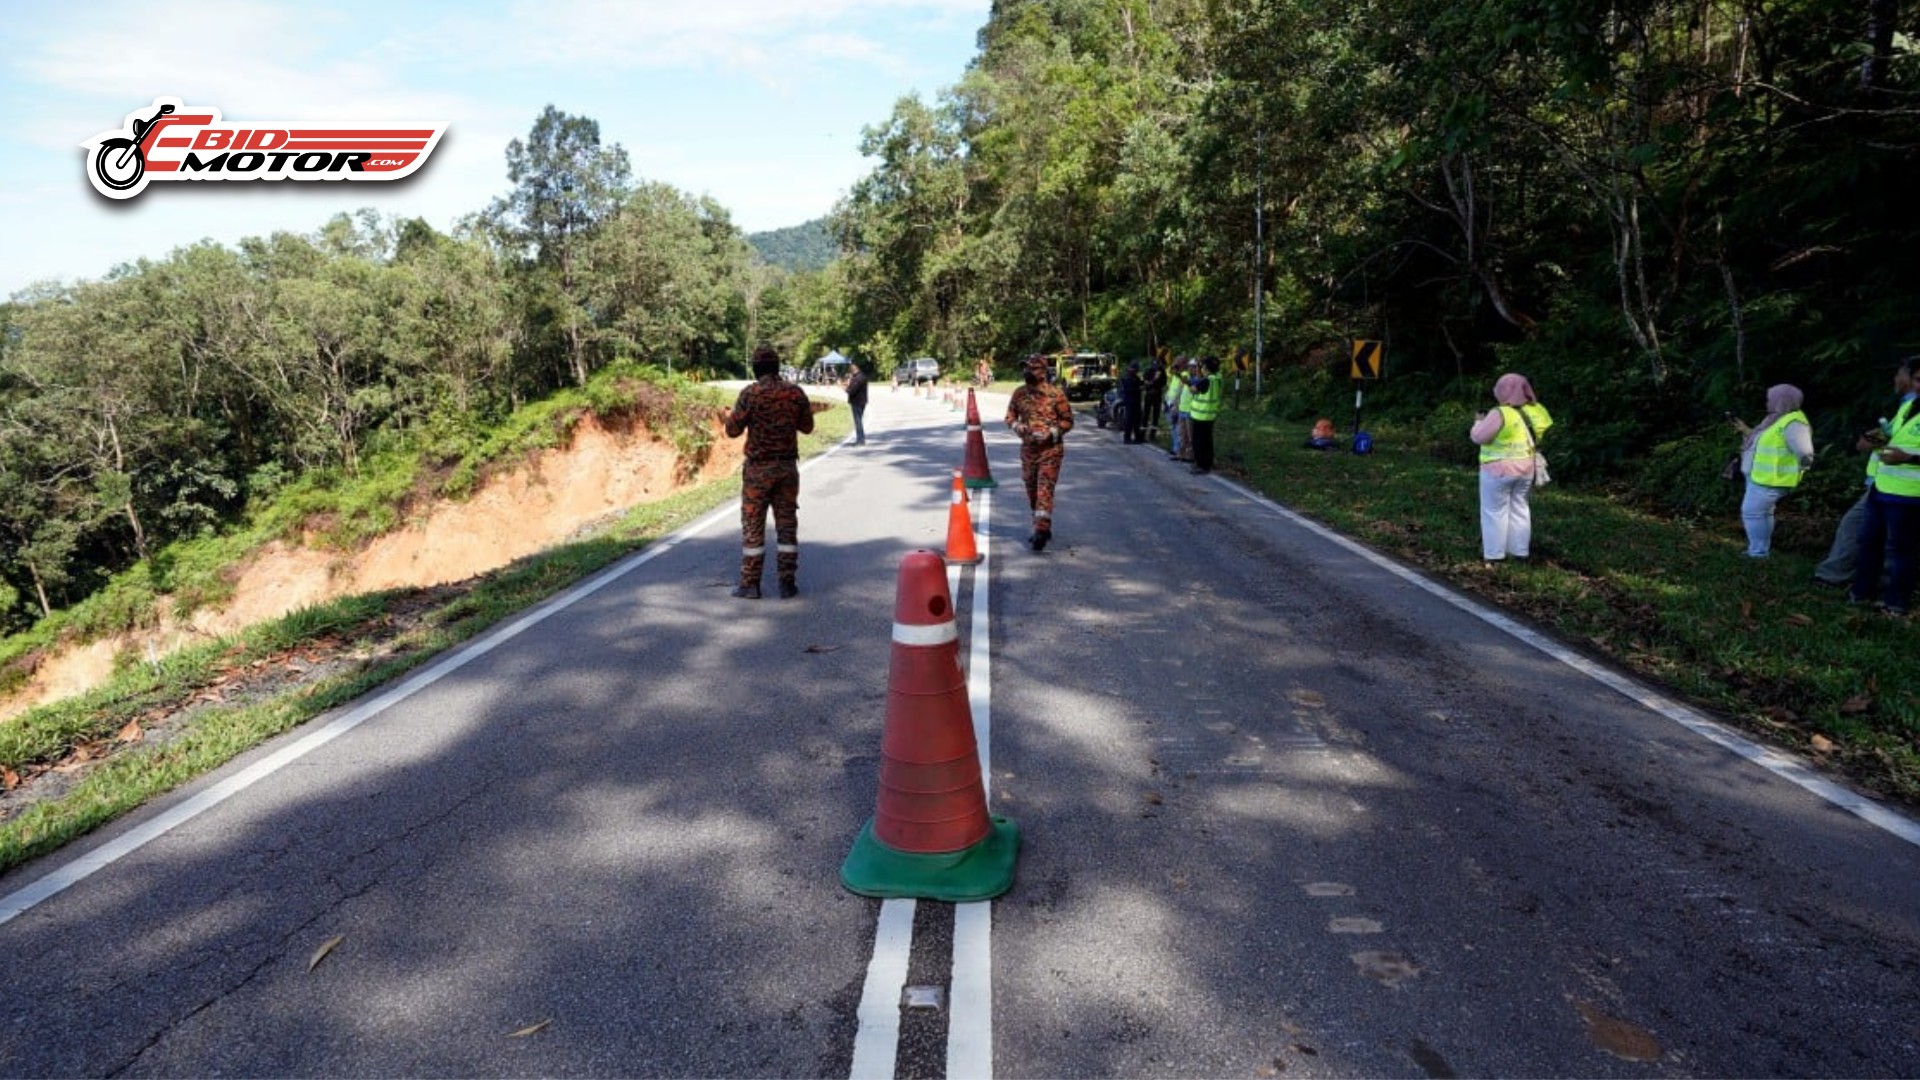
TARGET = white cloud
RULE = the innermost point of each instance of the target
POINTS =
(755, 102)
(252, 60)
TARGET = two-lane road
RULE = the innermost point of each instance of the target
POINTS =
(1286, 812)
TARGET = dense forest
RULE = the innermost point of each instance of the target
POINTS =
(1654, 208)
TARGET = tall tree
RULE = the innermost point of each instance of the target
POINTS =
(566, 184)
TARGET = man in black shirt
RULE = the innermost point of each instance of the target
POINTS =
(857, 401)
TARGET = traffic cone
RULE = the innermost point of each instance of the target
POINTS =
(930, 837)
(960, 546)
(975, 467)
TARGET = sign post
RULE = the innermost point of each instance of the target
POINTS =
(1369, 357)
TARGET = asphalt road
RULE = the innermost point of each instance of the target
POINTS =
(1285, 813)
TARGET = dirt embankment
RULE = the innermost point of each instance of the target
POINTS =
(550, 498)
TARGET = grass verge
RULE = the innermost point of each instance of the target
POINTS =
(157, 726)
(1675, 602)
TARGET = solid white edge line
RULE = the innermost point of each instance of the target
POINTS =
(876, 1045)
(17, 903)
(970, 994)
(1774, 761)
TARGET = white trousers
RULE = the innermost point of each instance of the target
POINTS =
(1506, 522)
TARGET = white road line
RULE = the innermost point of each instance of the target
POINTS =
(876, 1045)
(14, 904)
(1781, 765)
(970, 1014)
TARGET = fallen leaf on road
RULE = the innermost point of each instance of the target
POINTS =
(9, 778)
(1155, 798)
(530, 1029)
(1617, 1037)
(131, 733)
(326, 947)
(1822, 744)
(825, 648)
(1799, 620)
(1856, 704)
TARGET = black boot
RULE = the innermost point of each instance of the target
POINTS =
(747, 592)
(789, 588)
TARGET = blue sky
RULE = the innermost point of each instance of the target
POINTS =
(758, 103)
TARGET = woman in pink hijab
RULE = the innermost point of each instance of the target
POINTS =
(1777, 450)
(1508, 438)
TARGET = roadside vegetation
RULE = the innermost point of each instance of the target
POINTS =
(1655, 211)
(1619, 576)
(70, 766)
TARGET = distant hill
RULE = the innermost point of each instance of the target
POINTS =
(796, 247)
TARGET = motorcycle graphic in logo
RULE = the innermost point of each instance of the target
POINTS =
(172, 141)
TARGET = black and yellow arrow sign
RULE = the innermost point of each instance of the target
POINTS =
(1368, 358)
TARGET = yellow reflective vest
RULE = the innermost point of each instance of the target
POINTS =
(1204, 405)
(1514, 443)
(1899, 421)
(1774, 465)
(1904, 479)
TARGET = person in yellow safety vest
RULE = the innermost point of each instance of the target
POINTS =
(1776, 451)
(1837, 568)
(1203, 410)
(1176, 409)
(1890, 535)
(1508, 437)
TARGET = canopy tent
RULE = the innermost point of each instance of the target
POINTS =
(832, 359)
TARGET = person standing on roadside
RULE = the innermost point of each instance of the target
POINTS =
(1153, 391)
(1837, 568)
(857, 401)
(1890, 535)
(1041, 416)
(773, 414)
(1131, 422)
(1774, 455)
(1508, 438)
(1202, 410)
(1177, 410)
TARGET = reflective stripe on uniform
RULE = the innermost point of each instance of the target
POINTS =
(937, 634)
(787, 549)
(753, 551)
(1040, 514)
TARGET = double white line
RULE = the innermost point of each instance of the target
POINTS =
(970, 996)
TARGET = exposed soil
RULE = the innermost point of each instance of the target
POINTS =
(551, 497)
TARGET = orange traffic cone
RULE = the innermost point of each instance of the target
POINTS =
(960, 546)
(930, 836)
(975, 468)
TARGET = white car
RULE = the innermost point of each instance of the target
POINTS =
(923, 369)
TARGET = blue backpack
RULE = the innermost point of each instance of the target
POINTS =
(1362, 442)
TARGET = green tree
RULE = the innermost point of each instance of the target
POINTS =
(566, 185)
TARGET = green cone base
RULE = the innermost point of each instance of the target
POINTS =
(981, 482)
(980, 872)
